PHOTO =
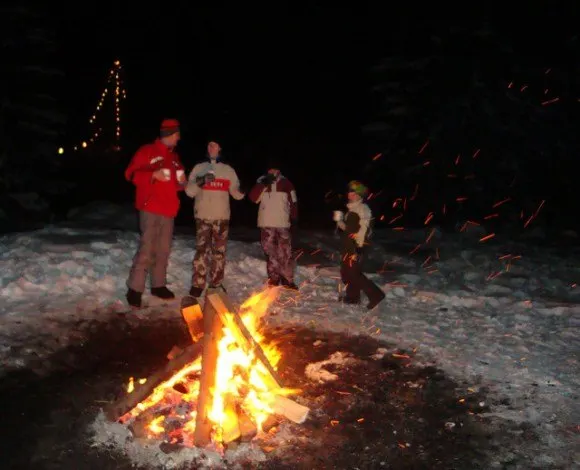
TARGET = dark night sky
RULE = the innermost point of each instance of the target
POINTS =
(292, 82)
(289, 84)
(220, 68)
(224, 70)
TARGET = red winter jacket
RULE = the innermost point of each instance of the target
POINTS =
(157, 197)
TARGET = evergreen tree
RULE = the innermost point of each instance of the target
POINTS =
(30, 120)
(472, 119)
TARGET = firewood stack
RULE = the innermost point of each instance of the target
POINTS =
(205, 328)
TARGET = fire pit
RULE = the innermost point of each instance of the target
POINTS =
(372, 405)
(221, 390)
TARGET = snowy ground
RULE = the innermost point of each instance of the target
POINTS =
(500, 315)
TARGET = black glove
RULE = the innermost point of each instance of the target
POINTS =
(267, 179)
(207, 178)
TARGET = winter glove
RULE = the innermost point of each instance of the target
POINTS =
(267, 179)
(207, 178)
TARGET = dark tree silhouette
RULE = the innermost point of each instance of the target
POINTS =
(490, 121)
(30, 120)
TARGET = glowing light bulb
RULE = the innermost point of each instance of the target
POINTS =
(117, 63)
(84, 144)
(60, 151)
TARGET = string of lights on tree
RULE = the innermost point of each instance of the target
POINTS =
(113, 89)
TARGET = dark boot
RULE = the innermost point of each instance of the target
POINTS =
(195, 291)
(348, 301)
(133, 298)
(376, 300)
(162, 292)
(288, 285)
(273, 282)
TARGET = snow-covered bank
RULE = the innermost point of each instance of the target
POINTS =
(513, 330)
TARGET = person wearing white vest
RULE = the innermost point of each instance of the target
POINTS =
(278, 210)
(211, 184)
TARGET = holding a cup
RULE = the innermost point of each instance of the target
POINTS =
(153, 164)
(338, 216)
(163, 174)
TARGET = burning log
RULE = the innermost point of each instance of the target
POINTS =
(231, 319)
(271, 422)
(290, 409)
(212, 329)
(228, 395)
(231, 427)
(248, 428)
(193, 316)
(129, 401)
(140, 427)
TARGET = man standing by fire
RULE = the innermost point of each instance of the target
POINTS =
(211, 183)
(157, 173)
(356, 227)
(278, 210)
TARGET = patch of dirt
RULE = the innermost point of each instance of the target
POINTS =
(379, 413)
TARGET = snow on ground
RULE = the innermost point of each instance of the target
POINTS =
(504, 316)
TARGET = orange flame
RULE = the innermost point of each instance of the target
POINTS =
(240, 377)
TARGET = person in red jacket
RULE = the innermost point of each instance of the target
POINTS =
(278, 211)
(158, 175)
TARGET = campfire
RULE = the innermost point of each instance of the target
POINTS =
(222, 389)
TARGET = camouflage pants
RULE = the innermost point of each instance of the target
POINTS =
(211, 241)
(153, 254)
(277, 245)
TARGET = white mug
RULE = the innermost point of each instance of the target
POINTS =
(180, 175)
(167, 173)
(337, 216)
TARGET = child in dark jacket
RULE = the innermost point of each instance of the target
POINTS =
(356, 227)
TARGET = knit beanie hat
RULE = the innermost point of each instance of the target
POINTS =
(358, 188)
(273, 164)
(169, 127)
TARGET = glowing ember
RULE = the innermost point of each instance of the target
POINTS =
(242, 387)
